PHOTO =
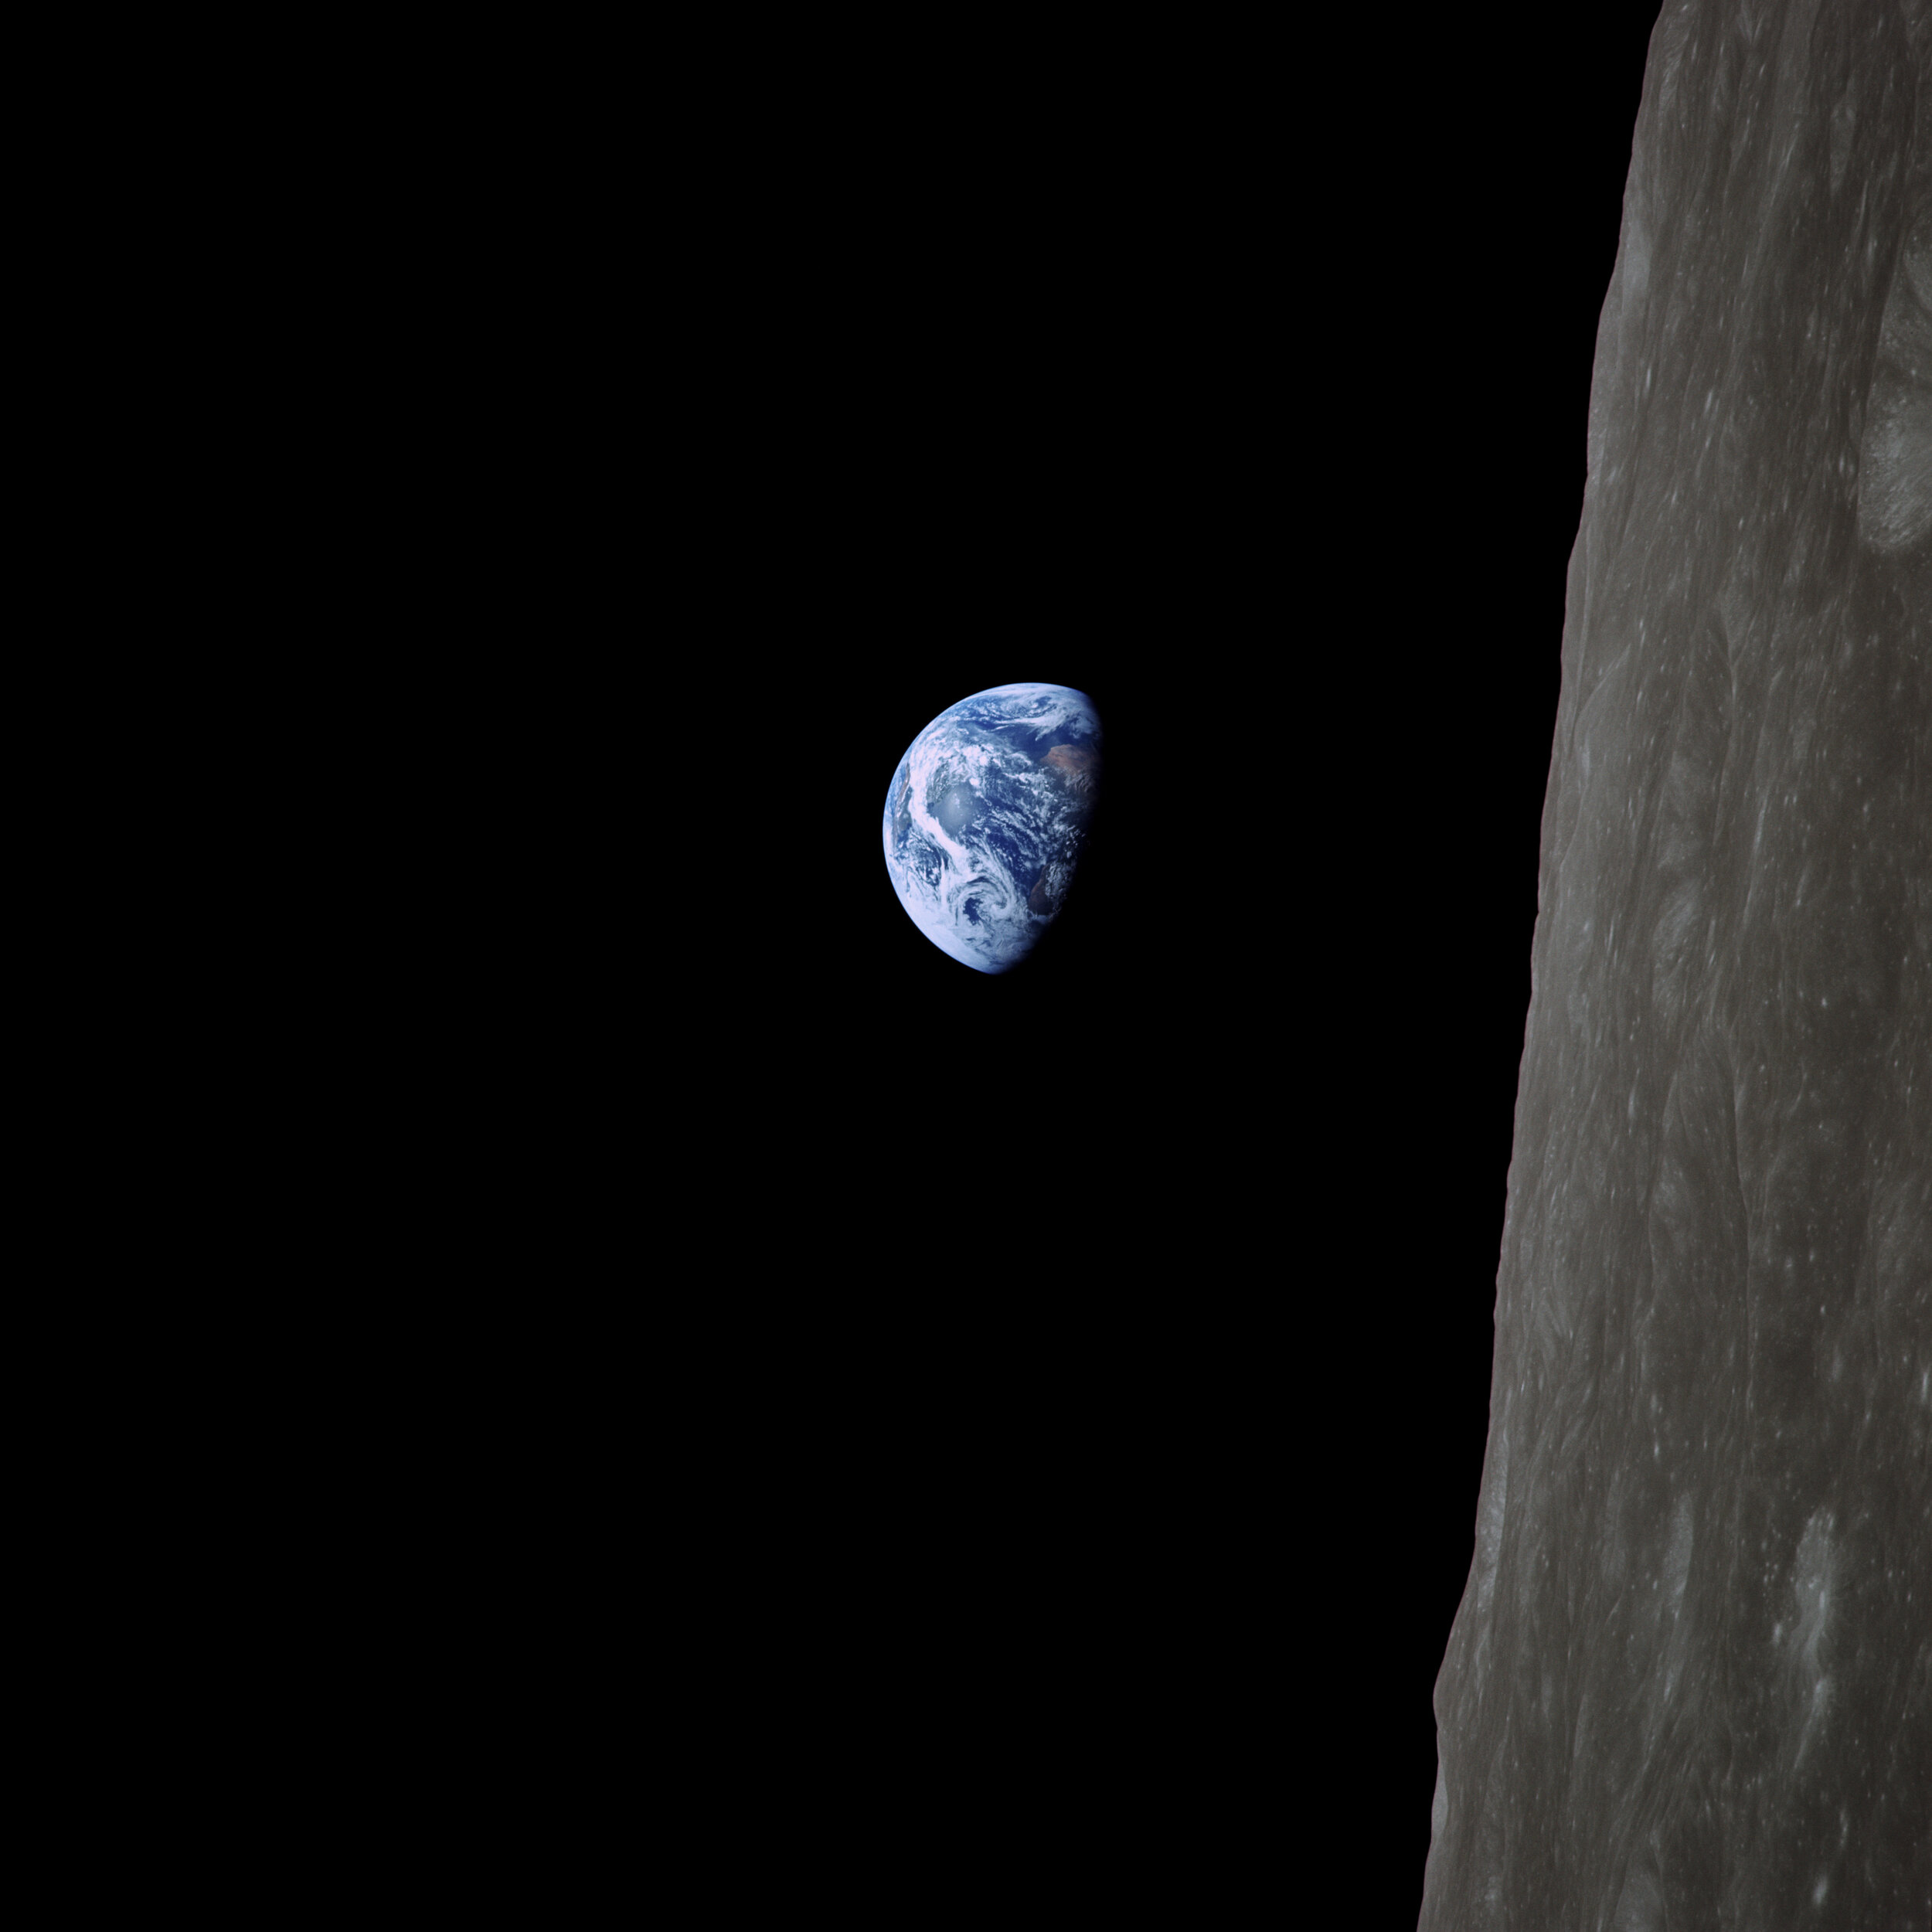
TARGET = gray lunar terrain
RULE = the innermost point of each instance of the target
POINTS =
(1690, 1682)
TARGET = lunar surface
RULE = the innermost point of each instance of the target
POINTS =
(1690, 1682)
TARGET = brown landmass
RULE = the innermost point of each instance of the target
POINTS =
(1049, 889)
(1079, 764)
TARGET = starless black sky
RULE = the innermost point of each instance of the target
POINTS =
(1248, 396)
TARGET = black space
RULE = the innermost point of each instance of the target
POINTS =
(1248, 393)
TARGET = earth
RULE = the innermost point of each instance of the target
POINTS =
(985, 817)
